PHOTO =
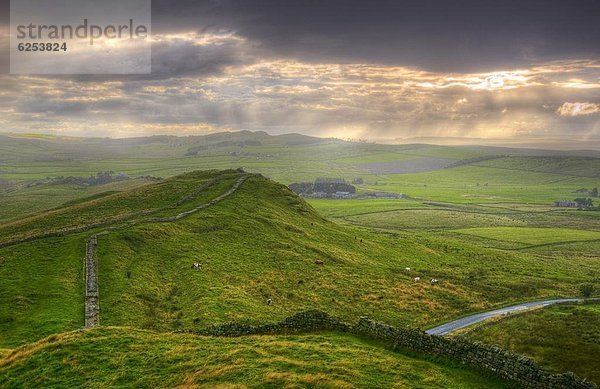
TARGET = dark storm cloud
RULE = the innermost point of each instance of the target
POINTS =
(177, 57)
(444, 36)
(462, 36)
(369, 69)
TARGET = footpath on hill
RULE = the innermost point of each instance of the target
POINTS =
(92, 303)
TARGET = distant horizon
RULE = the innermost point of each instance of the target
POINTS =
(549, 144)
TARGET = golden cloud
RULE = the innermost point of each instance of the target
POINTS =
(578, 109)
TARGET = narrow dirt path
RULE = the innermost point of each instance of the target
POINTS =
(92, 307)
(214, 201)
(126, 218)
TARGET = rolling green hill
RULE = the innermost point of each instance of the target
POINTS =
(255, 240)
(425, 172)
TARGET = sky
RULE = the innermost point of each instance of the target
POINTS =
(376, 70)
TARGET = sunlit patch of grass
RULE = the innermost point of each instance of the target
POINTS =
(133, 358)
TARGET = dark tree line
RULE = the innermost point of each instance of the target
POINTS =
(100, 178)
(322, 185)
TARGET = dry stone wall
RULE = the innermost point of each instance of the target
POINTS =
(504, 364)
(92, 307)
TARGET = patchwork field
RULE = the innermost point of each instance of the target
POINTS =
(470, 175)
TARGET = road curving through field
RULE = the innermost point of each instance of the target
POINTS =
(453, 326)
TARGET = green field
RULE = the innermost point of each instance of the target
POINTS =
(148, 360)
(483, 225)
(533, 236)
(563, 337)
(261, 242)
(290, 158)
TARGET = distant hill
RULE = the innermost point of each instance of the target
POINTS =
(569, 166)
(54, 148)
(518, 143)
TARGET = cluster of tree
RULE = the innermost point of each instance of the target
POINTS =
(586, 204)
(99, 179)
(587, 290)
(583, 202)
(325, 185)
(592, 193)
(332, 185)
(302, 187)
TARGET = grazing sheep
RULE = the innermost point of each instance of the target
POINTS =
(417, 279)
(269, 301)
(407, 268)
(434, 281)
(196, 266)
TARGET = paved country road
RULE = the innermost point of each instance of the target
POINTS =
(456, 325)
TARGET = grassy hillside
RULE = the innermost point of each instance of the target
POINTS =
(118, 207)
(563, 337)
(260, 242)
(21, 199)
(141, 359)
(479, 223)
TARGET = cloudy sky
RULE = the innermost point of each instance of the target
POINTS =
(351, 69)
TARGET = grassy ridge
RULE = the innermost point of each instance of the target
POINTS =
(23, 200)
(261, 242)
(117, 207)
(148, 360)
(563, 337)
(484, 229)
